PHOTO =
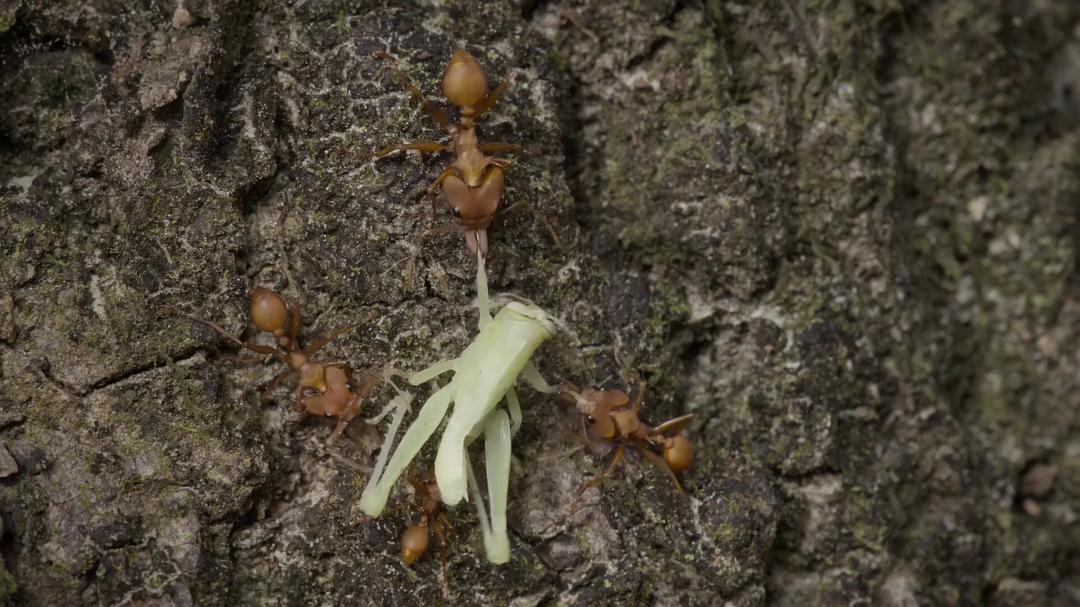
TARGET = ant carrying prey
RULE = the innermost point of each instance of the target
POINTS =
(335, 394)
(473, 184)
(609, 418)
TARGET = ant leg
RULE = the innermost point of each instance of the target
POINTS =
(425, 147)
(250, 346)
(673, 425)
(497, 458)
(435, 185)
(318, 344)
(299, 406)
(437, 113)
(536, 215)
(494, 148)
(659, 461)
(263, 398)
(596, 482)
(339, 430)
(502, 163)
(639, 396)
(294, 324)
(489, 102)
(513, 407)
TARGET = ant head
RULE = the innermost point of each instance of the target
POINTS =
(678, 453)
(464, 82)
(597, 409)
(475, 206)
(269, 311)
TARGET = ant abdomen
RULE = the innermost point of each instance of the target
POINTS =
(268, 311)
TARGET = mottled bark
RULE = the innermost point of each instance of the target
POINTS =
(843, 235)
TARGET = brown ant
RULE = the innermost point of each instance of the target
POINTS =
(609, 419)
(473, 184)
(335, 396)
(414, 541)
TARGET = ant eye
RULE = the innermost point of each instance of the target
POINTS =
(590, 418)
(456, 211)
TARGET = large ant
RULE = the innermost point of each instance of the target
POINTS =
(608, 418)
(473, 184)
(335, 396)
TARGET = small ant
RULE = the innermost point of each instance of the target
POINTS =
(414, 541)
(473, 184)
(605, 412)
(336, 396)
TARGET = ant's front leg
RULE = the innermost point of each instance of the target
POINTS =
(660, 463)
(435, 185)
(424, 147)
(250, 345)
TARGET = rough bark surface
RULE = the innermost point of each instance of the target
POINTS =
(842, 234)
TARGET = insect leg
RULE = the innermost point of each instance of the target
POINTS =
(513, 406)
(431, 372)
(373, 500)
(532, 376)
(497, 458)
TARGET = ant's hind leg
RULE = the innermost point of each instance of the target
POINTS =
(424, 147)
(659, 461)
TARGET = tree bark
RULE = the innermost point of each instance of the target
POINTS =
(842, 235)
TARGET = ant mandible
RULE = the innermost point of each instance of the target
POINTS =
(473, 184)
(335, 395)
(608, 418)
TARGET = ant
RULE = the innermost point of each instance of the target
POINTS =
(608, 418)
(473, 184)
(335, 396)
(414, 541)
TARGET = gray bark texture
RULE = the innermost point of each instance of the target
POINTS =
(842, 234)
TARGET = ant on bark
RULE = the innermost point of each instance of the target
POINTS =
(414, 541)
(336, 395)
(609, 419)
(473, 183)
